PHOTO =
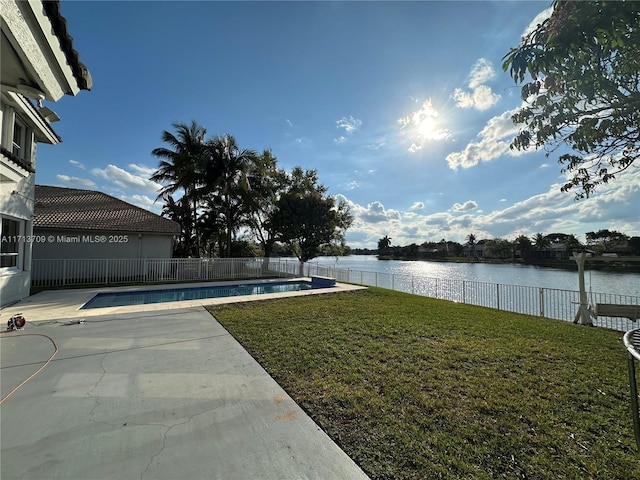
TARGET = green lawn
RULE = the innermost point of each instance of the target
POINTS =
(417, 388)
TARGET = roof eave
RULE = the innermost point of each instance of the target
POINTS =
(59, 25)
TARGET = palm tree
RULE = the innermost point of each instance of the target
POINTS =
(540, 242)
(211, 228)
(179, 211)
(383, 245)
(572, 244)
(180, 169)
(226, 176)
(523, 244)
(471, 241)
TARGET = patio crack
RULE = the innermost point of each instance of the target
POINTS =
(95, 386)
(171, 427)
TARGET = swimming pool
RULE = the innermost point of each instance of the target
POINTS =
(141, 297)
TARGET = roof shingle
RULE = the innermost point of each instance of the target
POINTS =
(59, 25)
(74, 209)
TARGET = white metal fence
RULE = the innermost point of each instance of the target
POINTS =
(73, 272)
(539, 301)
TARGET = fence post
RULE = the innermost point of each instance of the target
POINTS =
(464, 291)
(498, 296)
(64, 272)
(541, 300)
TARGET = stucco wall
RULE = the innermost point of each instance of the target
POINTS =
(54, 244)
(14, 287)
(16, 202)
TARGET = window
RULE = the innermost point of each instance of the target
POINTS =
(9, 244)
(20, 146)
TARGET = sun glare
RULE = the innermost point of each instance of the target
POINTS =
(422, 125)
(427, 127)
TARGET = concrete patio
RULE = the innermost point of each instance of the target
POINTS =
(165, 393)
(66, 304)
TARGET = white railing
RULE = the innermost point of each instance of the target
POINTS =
(538, 301)
(74, 272)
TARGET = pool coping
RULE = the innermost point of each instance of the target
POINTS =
(65, 304)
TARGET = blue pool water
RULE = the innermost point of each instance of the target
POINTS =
(118, 299)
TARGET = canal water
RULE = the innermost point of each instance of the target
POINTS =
(597, 281)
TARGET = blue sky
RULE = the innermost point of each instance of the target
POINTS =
(402, 108)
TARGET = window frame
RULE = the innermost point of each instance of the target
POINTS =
(20, 142)
(10, 245)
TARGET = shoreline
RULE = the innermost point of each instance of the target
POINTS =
(604, 265)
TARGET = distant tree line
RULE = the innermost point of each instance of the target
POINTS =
(233, 202)
(553, 246)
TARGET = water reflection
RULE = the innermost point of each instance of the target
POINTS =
(513, 274)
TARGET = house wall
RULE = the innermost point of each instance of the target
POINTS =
(122, 249)
(31, 57)
(58, 243)
(16, 205)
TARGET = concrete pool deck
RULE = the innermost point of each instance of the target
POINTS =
(159, 393)
(66, 304)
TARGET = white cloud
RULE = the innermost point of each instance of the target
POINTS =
(414, 148)
(417, 206)
(463, 99)
(75, 181)
(465, 207)
(541, 17)
(127, 180)
(288, 122)
(481, 97)
(494, 140)
(611, 207)
(375, 146)
(554, 210)
(481, 72)
(374, 213)
(353, 185)
(143, 201)
(141, 170)
(303, 141)
(75, 163)
(349, 124)
(340, 139)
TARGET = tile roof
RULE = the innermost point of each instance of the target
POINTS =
(59, 25)
(74, 209)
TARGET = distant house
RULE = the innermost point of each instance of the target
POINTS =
(476, 250)
(557, 251)
(73, 223)
(38, 64)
